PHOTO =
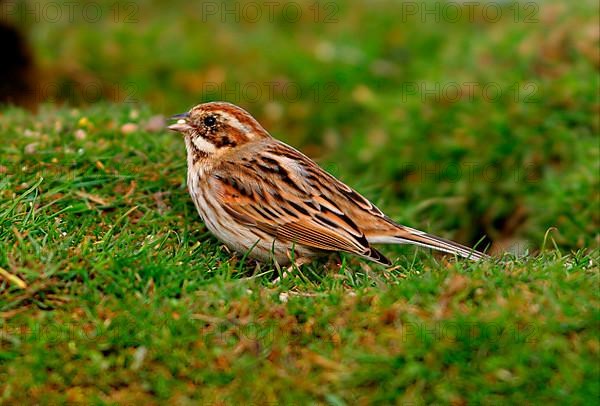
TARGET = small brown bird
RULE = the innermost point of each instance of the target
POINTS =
(263, 197)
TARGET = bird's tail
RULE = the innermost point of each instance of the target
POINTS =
(407, 235)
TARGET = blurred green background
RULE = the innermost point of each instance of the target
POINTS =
(480, 118)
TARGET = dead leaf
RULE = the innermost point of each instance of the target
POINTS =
(94, 198)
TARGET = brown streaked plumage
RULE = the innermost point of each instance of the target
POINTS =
(261, 196)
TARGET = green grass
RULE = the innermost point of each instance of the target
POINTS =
(113, 292)
(128, 298)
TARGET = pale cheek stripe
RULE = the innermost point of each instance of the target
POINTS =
(204, 145)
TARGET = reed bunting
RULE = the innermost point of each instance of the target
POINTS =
(262, 197)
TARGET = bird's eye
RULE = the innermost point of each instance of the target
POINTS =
(210, 121)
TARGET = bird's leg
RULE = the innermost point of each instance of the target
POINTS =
(296, 263)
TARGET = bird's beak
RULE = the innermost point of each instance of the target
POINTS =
(181, 125)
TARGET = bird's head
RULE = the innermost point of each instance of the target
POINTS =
(215, 127)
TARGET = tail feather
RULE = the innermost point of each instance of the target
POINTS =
(407, 235)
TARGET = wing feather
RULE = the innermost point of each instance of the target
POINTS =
(298, 213)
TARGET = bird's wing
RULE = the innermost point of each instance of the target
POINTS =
(368, 218)
(272, 192)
